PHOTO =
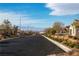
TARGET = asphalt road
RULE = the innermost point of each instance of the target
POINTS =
(28, 46)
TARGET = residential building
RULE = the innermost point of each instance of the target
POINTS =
(74, 29)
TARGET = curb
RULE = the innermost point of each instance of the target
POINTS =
(8, 39)
(65, 48)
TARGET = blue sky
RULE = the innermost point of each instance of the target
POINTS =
(39, 15)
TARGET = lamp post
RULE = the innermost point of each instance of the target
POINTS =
(20, 26)
(20, 22)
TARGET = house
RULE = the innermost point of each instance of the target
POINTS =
(74, 29)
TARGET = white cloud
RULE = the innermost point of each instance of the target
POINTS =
(13, 17)
(25, 20)
(63, 8)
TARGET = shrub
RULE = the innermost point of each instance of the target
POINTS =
(75, 37)
(60, 40)
(70, 36)
(64, 42)
(76, 46)
(71, 45)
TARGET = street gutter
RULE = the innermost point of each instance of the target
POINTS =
(8, 39)
(63, 47)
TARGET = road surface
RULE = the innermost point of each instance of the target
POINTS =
(35, 45)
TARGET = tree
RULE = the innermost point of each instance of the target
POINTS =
(7, 23)
(75, 23)
(15, 29)
(53, 31)
(57, 26)
(48, 31)
(7, 26)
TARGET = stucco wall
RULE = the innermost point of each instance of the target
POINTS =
(73, 30)
(77, 32)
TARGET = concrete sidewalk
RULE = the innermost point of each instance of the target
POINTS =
(63, 47)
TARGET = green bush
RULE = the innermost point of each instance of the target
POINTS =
(64, 42)
(76, 46)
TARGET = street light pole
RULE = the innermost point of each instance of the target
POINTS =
(20, 22)
(20, 26)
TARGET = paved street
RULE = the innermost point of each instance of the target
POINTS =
(28, 46)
